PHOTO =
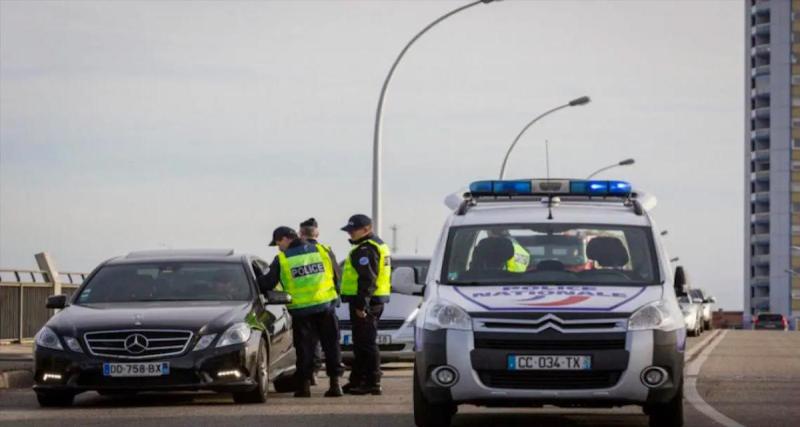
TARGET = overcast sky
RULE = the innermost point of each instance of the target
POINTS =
(139, 125)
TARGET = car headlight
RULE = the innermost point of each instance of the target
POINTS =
(444, 315)
(48, 339)
(73, 344)
(204, 342)
(659, 315)
(236, 334)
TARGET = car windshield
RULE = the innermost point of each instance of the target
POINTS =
(550, 254)
(167, 281)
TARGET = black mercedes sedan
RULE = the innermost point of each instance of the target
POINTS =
(162, 321)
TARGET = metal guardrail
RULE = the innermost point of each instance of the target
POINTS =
(23, 295)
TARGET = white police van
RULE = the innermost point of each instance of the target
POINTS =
(591, 320)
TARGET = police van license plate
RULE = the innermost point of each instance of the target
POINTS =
(549, 363)
(148, 369)
(347, 339)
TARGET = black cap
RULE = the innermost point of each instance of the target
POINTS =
(311, 222)
(357, 221)
(280, 233)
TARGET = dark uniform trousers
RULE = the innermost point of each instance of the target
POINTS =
(310, 329)
(366, 354)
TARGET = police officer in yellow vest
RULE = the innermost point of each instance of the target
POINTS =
(309, 231)
(366, 285)
(521, 259)
(306, 271)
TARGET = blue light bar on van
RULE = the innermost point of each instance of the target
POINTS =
(547, 187)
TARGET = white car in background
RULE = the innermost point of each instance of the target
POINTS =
(396, 326)
(692, 315)
(700, 296)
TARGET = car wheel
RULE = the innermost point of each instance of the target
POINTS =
(427, 414)
(708, 326)
(54, 399)
(668, 414)
(261, 390)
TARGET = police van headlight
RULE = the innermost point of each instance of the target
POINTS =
(657, 315)
(445, 315)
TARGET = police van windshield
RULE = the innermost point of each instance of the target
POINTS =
(167, 281)
(550, 254)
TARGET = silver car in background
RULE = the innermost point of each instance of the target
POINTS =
(396, 327)
(700, 296)
(692, 315)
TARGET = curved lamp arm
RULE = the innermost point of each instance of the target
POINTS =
(578, 101)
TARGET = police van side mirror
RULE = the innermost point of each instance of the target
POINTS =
(404, 281)
(681, 283)
(278, 298)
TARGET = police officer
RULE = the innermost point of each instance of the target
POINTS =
(366, 285)
(309, 231)
(306, 272)
(521, 259)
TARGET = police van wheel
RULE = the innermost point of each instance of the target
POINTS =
(427, 414)
(259, 393)
(668, 414)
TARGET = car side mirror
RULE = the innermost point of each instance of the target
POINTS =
(278, 298)
(681, 287)
(56, 301)
(710, 300)
(404, 281)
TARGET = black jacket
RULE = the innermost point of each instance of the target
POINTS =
(365, 259)
(270, 280)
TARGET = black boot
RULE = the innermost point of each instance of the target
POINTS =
(373, 389)
(349, 386)
(303, 389)
(335, 390)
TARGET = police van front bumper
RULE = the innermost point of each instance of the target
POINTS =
(482, 376)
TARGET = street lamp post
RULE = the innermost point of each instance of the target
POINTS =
(626, 162)
(377, 151)
(578, 101)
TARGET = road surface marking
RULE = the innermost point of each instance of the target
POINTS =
(700, 345)
(693, 396)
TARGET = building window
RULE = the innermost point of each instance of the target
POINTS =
(796, 123)
(796, 165)
(796, 144)
(796, 80)
(796, 186)
(795, 207)
(795, 229)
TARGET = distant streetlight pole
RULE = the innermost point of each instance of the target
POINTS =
(626, 162)
(377, 151)
(575, 102)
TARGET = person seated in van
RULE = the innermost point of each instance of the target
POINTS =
(490, 259)
(521, 258)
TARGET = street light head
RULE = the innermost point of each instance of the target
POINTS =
(627, 162)
(580, 101)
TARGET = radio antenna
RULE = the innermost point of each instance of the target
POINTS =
(547, 157)
(547, 166)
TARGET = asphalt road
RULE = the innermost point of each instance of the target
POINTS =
(750, 377)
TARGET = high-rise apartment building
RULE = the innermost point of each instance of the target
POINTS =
(772, 157)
